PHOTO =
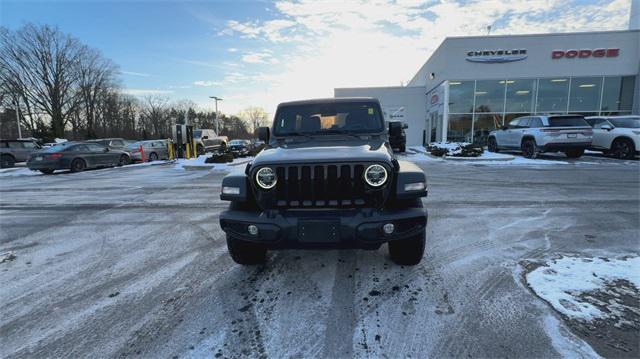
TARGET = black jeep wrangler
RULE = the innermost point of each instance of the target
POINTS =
(326, 179)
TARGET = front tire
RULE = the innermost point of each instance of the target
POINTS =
(408, 251)
(78, 165)
(153, 157)
(47, 171)
(574, 152)
(200, 150)
(623, 148)
(246, 253)
(492, 145)
(528, 148)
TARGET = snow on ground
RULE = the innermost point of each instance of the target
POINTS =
(17, 171)
(200, 162)
(487, 158)
(569, 284)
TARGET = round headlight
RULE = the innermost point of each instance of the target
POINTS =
(266, 178)
(375, 175)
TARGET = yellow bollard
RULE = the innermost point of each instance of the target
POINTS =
(188, 153)
(195, 149)
(170, 148)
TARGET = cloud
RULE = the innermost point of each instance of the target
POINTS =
(143, 92)
(321, 46)
(232, 49)
(132, 73)
(259, 58)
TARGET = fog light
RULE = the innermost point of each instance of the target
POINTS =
(418, 186)
(231, 190)
(253, 230)
(388, 228)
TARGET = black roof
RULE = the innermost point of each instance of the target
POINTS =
(330, 100)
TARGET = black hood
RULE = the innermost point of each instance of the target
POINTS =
(325, 151)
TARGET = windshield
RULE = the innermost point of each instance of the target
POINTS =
(358, 117)
(567, 121)
(626, 122)
(57, 147)
(197, 133)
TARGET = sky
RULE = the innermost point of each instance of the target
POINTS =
(260, 53)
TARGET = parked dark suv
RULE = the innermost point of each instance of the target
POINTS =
(327, 178)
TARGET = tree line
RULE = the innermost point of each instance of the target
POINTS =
(58, 87)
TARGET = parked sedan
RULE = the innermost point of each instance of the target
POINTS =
(113, 143)
(239, 148)
(616, 135)
(76, 156)
(153, 150)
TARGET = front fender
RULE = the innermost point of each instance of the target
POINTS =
(409, 172)
(237, 179)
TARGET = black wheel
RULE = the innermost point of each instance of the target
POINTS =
(7, 161)
(124, 160)
(408, 251)
(246, 253)
(529, 148)
(492, 145)
(153, 157)
(47, 172)
(78, 165)
(200, 150)
(574, 152)
(623, 148)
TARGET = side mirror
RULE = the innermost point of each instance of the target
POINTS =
(405, 126)
(606, 127)
(504, 128)
(395, 128)
(263, 134)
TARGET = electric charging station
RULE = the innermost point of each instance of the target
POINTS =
(183, 140)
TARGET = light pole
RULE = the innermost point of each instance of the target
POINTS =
(18, 120)
(217, 119)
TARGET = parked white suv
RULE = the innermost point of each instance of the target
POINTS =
(616, 135)
(570, 134)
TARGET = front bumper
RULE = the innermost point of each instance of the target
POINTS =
(349, 228)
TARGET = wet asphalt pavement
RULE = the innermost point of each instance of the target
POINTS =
(132, 262)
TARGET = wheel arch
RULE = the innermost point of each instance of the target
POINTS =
(623, 137)
(527, 137)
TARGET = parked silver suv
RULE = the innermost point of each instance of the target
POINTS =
(570, 134)
(12, 151)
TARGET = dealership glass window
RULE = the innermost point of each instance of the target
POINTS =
(617, 93)
(511, 116)
(490, 95)
(552, 95)
(483, 124)
(520, 95)
(585, 93)
(459, 129)
(461, 96)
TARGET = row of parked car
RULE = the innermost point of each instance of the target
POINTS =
(618, 136)
(78, 156)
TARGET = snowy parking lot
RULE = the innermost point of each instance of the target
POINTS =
(523, 259)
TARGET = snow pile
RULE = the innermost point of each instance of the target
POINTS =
(17, 172)
(588, 288)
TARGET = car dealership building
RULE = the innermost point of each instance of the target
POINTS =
(473, 85)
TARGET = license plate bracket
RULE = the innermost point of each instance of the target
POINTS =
(572, 135)
(319, 231)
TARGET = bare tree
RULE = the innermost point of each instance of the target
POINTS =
(153, 116)
(96, 77)
(45, 61)
(256, 116)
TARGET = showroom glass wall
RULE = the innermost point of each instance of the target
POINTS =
(481, 106)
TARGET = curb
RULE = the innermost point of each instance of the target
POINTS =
(473, 159)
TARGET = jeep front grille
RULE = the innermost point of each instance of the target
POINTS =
(324, 185)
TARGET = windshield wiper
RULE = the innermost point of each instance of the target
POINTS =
(336, 132)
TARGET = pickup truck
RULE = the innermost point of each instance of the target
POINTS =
(207, 140)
